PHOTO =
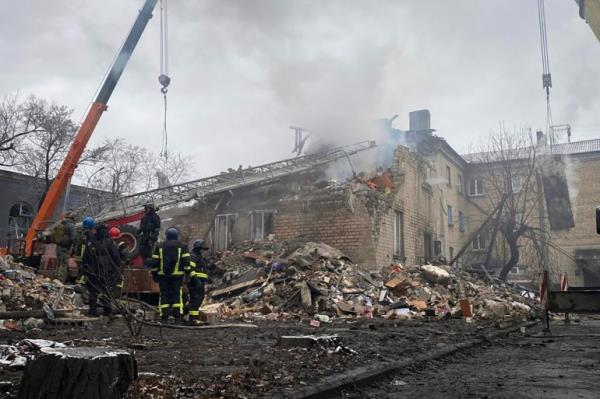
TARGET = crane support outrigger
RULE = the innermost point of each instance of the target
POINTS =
(58, 186)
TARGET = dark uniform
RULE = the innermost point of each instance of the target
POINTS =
(83, 241)
(149, 229)
(101, 268)
(123, 255)
(169, 263)
(198, 278)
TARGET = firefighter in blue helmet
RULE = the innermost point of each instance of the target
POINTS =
(196, 279)
(83, 241)
(169, 263)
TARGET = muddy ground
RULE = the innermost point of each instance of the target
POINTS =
(533, 365)
(249, 363)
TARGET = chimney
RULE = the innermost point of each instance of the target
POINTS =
(541, 138)
(419, 121)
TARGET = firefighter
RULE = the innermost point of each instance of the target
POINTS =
(149, 230)
(115, 234)
(170, 262)
(196, 279)
(64, 235)
(100, 266)
(84, 240)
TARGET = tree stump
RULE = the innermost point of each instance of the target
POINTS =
(71, 373)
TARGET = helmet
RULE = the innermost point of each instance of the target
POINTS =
(149, 205)
(172, 233)
(198, 245)
(89, 222)
(114, 233)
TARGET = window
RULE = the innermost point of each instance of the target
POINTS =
(450, 217)
(20, 216)
(223, 230)
(451, 253)
(437, 248)
(460, 184)
(476, 186)
(479, 242)
(515, 183)
(461, 221)
(427, 247)
(261, 224)
(399, 234)
(449, 175)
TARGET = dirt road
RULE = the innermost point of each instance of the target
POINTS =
(564, 365)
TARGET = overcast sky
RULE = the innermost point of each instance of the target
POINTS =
(243, 71)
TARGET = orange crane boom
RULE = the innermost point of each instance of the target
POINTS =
(58, 186)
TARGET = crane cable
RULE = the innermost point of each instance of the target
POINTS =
(164, 79)
(546, 75)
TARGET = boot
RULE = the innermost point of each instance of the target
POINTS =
(176, 315)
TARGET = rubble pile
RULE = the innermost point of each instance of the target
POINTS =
(22, 289)
(281, 280)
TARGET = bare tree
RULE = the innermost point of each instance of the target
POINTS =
(17, 120)
(44, 150)
(507, 169)
(163, 171)
(128, 169)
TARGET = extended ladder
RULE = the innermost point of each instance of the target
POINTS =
(196, 189)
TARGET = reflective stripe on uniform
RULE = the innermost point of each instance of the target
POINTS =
(194, 313)
(199, 274)
(162, 261)
(180, 303)
(176, 271)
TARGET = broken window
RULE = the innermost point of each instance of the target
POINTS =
(20, 216)
(461, 221)
(261, 224)
(223, 230)
(515, 183)
(449, 175)
(399, 234)
(450, 216)
(479, 242)
(476, 186)
(460, 184)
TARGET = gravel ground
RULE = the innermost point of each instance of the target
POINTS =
(237, 362)
(531, 365)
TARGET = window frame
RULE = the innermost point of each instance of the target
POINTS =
(512, 184)
(477, 189)
(399, 234)
(450, 215)
(262, 213)
(229, 226)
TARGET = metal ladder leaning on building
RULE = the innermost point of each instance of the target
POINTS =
(127, 209)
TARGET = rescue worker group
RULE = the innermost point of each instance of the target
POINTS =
(102, 252)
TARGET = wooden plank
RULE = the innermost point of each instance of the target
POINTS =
(236, 287)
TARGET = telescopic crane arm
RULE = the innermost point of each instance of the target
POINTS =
(58, 186)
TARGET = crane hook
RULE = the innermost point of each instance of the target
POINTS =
(165, 81)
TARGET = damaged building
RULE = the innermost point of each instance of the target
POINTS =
(427, 205)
